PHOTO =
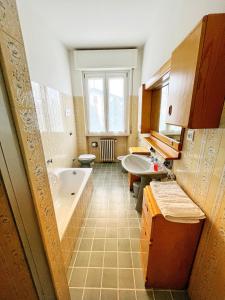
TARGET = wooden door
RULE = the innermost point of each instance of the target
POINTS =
(15, 277)
(182, 78)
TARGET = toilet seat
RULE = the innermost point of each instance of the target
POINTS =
(86, 157)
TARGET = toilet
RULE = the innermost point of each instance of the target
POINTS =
(86, 160)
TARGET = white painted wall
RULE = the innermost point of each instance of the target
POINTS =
(48, 59)
(170, 22)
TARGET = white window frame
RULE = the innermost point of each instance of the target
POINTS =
(106, 75)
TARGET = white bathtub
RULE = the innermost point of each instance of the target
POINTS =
(67, 186)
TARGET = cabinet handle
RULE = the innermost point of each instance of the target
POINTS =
(170, 110)
(146, 207)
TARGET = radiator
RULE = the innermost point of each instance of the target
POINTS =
(107, 149)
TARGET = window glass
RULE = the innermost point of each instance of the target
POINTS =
(116, 105)
(106, 102)
(96, 117)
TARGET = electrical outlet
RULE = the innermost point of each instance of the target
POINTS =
(190, 135)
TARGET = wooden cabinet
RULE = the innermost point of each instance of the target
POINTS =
(197, 76)
(167, 248)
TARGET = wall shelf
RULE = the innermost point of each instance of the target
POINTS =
(163, 149)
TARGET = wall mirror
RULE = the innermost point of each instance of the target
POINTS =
(159, 98)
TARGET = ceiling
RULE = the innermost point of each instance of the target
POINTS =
(95, 24)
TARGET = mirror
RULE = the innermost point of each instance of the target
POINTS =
(159, 109)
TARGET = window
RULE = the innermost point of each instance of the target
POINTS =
(106, 95)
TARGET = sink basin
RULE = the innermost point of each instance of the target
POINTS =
(141, 165)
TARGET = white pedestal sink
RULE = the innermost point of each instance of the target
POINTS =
(142, 166)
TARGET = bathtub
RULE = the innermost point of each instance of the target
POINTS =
(71, 192)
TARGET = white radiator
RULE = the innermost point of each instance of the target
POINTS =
(107, 150)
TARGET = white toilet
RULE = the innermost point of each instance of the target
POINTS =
(86, 160)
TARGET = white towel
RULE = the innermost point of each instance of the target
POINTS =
(174, 204)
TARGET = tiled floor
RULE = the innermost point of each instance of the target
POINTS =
(106, 262)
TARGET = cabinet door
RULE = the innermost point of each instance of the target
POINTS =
(182, 78)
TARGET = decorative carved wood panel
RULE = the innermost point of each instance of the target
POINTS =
(16, 75)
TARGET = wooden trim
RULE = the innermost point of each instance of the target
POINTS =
(163, 149)
(159, 77)
(153, 207)
(170, 142)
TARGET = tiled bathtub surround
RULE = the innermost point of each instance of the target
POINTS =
(71, 234)
(106, 261)
(56, 118)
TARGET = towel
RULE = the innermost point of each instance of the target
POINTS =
(174, 203)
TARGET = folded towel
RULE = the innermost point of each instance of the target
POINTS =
(174, 204)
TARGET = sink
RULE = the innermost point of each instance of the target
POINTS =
(142, 166)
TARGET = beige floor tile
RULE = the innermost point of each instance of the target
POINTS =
(144, 295)
(88, 232)
(123, 233)
(94, 277)
(134, 233)
(136, 257)
(108, 294)
(125, 260)
(91, 294)
(127, 295)
(139, 279)
(111, 233)
(126, 279)
(98, 245)
(96, 259)
(72, 259)
(100, 232)
(82, 259)
(78, 277)
(110, 260)
(85, 245)
(111, 244)
(135, 245)
(124, 245)
(76, 294)
(109, 279)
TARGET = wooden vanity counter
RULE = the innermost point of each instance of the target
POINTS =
(167, 248)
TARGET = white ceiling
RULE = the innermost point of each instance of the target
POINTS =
(95, 24)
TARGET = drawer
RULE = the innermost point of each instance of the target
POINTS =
(144, 244)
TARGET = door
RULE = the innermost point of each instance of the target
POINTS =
(182, 78)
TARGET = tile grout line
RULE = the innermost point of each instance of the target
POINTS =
(132, 262)
(85, 281)
(80, 238)
(103, 262)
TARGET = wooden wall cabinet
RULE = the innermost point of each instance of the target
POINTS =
(167, 248)
(197, 76)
